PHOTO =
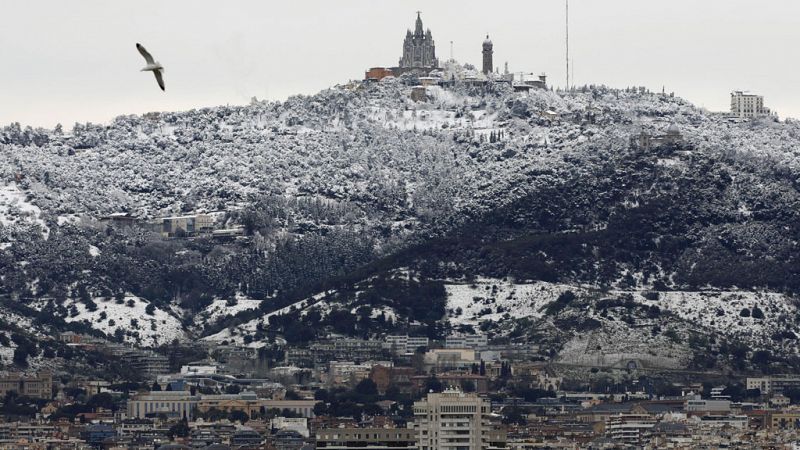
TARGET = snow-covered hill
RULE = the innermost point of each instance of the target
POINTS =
(534, 216)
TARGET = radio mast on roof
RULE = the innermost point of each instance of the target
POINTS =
(567, 46)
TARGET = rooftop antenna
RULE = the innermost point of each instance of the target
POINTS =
(567, 21)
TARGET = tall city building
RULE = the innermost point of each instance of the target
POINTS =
(455, 420)
(487, 56)
(747, 105)
(419, 50)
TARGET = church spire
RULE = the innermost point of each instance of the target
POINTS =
(419, 51)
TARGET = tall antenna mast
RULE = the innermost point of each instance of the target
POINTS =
(567, 20)
(451, 51)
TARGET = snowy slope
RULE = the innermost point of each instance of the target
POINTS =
(392, 164)
(219, 309)
(16, 210)
(720, 310)
(615, 344)
(493, 299)
(712, 313)
(141, 328)
(236, 334)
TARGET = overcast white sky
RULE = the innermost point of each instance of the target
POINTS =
(76, 61)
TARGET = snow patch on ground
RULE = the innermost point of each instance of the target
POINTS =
(495, 299)
(388, 312)
(236, 334)
(15, 209)
(17, 319)
(720, 310)
(616, 344)
(7, 353)
(219, 308)
(153, 330)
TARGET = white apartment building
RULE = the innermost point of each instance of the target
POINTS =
(724, 420)
(630, 428)
(406, 345)
(454, 420)
(348, 372)
(475, 341)
(745, 105)
(768, 385)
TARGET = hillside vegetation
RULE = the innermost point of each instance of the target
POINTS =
(376, 206)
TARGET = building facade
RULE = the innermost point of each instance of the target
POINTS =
(784, 420)
(377, 73)
(38, 385)
(398, 377)
(346, 373)
(365, 438)
(630, 428)
(176, 404)
(190, 225)
(747, 105)
(356, 350)
(699, 405)
(405, 344)
(455, 420)
(769, 385)
(303, 408)
(440, 359)
(645, 140)
(464, 381)
(473, 341)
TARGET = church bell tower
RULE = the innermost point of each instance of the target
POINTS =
(488, 67)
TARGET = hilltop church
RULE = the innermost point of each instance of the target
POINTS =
(419, 55)
(419, 58)
(419, 50)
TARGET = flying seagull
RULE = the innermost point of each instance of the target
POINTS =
(152, 65)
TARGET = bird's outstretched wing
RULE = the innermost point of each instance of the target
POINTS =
(159, 79)
(147, 56)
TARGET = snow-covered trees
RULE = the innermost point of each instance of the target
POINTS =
(540, 185)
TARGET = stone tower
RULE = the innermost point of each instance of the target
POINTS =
(488, 67)
(419, 50)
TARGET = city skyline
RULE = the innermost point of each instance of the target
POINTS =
(480, 226)
(77, 62)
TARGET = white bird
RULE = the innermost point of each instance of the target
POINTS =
(152, 65)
